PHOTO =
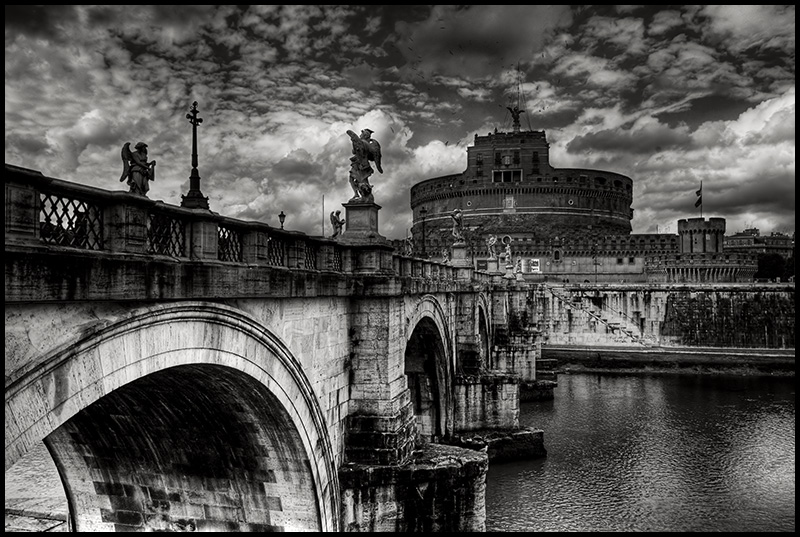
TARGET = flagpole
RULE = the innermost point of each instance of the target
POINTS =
(323, 215)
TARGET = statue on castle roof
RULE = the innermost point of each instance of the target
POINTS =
(136, 169)
(365, 149)
(515, 113)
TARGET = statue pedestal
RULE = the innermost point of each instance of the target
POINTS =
(492, 265)
(509, 275)
(370, 252)
(461, 261)
(460, 256)
(361, 225)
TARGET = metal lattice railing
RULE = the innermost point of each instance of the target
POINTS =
(276, 252)
(70, 222)
(310, 256)
(166, 235)
(336, 260)
(230, 244)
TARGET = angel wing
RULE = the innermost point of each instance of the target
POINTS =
(375, 153)
(126, 158)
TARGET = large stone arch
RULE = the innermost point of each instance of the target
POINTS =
(429, 315)
(214, 350)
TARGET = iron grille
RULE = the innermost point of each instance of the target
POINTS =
(230, 244)
(310, 256)
(165, 235)
(70, 222)
(276, 252)
(337, 260)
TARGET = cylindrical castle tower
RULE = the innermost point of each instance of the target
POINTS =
(698, 235)
(509, 189)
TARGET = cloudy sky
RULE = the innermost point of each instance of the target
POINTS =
(669, 96)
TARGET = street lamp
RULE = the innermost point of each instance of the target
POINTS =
(282, 217)
(423, 212)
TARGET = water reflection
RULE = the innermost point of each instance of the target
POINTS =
(652, 453)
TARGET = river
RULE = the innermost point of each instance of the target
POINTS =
(654, 453)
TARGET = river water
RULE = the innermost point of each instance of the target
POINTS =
(654, 453)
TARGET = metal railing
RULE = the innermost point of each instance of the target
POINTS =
(69, 221)
(166, 235)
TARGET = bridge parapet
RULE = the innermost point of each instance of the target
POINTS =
(112, 236)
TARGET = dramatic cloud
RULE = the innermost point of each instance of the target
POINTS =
(669, 97)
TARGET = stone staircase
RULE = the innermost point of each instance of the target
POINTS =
(611, 320)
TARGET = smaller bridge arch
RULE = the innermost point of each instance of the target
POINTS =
(483, 330)
(181, 416)
(429, 368)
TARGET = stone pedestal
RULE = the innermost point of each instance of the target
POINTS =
(362, 223)
(461, 261)
(509, 275)
(492, 265)
(460, 256)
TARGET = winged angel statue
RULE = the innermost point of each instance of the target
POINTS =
(365, 149)
(136, 169)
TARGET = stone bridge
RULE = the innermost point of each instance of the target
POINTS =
(189, 371)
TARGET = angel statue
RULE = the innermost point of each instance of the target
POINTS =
(409, 246)
(458, 225)
(508, 254)
(337, 223)
(365, 149)
(490, 243)
(136, 169)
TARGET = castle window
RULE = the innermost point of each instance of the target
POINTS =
(620, 261)
(479, 159)
(506, 176)
(536, 157)
(516, 157)
(497, 158)
(631, 260)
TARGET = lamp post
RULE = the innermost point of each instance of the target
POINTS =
(194, 199)
(423, 212)
(281, 217)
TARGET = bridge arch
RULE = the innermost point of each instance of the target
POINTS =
(118, 409)
(429, 368)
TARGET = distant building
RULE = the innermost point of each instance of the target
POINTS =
(563, 224)
(752, 242)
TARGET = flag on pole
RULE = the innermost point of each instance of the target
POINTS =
(699, 193)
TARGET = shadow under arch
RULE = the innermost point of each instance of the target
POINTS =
(429, 369)
(159, 364)
(482, 337)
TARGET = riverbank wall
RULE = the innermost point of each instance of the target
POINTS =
(672, 359)
(736, 316)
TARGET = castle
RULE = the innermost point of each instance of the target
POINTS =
(563, 224)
